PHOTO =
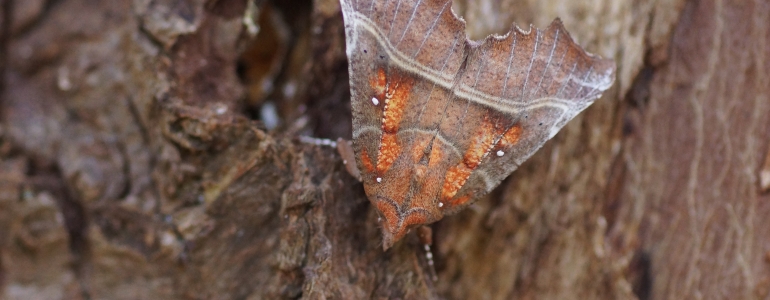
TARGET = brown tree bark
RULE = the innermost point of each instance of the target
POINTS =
(152, 150)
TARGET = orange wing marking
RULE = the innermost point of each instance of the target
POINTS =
(459, 201)
(379, 83)
(480, 145)
(396, 94)
(389, 150)
(367, 162)
(413, 218)
(390, 212)
(510, 138)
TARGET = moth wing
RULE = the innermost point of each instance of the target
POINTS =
(527, 85)
(387, 40)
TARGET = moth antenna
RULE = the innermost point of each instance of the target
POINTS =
(425, 234)
(317, 141)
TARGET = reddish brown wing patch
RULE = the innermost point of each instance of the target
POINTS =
(459, 201)
(510, 137)
(389, 151)
(379, 83)
(367, 162)
(396, 96)
(396, 92)
(480, 146)
(450, 118)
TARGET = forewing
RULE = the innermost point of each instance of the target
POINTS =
(530, 84)
(439, 120)
(388, 42)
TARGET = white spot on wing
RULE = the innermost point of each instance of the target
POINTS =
(375, 101)
(500, 153)
(379, 179)
(361, 22)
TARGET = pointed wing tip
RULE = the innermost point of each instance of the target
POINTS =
(556, 22)
(606, 70)
(603, 65)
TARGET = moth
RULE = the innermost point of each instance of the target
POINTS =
(440, 120)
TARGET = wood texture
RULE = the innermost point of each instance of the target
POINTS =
(131, 166)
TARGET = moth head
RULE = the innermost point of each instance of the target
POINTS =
(402, 204)
(396, 223)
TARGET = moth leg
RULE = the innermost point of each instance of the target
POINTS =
(345, 149)
(348, 158)
(425, 234)
(764, 175)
